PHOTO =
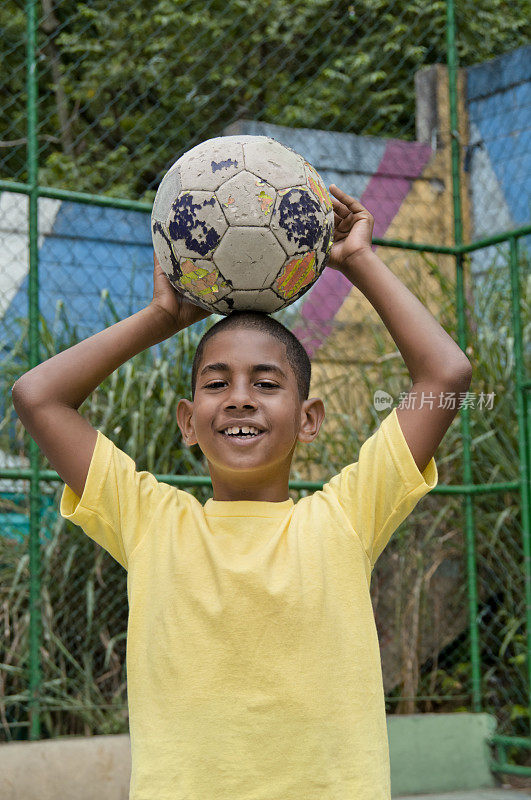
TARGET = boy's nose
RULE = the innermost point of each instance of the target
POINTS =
(240, 403)
(240, 397)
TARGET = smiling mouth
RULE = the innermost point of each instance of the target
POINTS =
(244, 438)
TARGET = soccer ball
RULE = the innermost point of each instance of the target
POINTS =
(242, 223)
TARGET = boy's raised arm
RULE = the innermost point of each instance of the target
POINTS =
(435, 362)
(47, 397)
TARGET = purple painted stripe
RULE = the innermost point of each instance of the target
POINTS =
(402, 162)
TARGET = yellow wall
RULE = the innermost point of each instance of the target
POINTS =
(359, 340)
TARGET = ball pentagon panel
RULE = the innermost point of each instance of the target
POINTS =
(298, 221)
(318, 188)
(296, 276)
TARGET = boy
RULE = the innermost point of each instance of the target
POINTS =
(252, 655)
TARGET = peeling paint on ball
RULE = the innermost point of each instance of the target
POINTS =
(242, 222)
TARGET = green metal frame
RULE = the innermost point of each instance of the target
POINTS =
(467, 489)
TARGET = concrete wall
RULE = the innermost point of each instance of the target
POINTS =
(440, 752)
(428, 753)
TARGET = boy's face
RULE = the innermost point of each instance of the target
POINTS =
(242, 393)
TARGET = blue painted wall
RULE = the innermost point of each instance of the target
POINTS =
(498, 97)
(90, 249)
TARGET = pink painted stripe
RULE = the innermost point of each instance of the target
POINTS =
(402, 162)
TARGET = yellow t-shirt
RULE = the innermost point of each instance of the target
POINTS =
(253, 663)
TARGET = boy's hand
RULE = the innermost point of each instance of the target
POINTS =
(181, 312)
(353, 226)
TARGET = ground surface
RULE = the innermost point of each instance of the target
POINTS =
(477, 794)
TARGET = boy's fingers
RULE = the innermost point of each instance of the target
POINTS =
(349, 217)
(350, 202)
(340, 208)
(341, 195)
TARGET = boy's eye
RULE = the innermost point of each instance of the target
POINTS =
(259, 383)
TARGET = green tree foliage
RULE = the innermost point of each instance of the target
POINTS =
(127, 87)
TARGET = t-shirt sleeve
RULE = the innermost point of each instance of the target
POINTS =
(379, 491)
(117, 501)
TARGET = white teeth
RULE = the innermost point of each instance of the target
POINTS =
(243, 429)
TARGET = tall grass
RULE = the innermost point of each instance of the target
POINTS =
(84, 591)
(419, 586)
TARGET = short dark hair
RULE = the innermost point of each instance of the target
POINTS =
(258, 320)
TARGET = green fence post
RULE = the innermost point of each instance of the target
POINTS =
(35, 623)
(523, 433)
(451, 55)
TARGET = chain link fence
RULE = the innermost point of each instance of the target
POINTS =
(422, 111)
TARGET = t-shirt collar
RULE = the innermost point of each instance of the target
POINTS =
(247, 508)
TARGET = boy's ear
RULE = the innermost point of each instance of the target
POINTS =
(312, 416)
(184, 420)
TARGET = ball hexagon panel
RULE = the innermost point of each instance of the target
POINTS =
(247, 200)
(168, 191)
(298, 221)
(168, 260)
(268, 301)
(318, 188)
(202, 280)
(265, 300)
(323, 252)
(196, 224)
(250, 258)
(195, 300)
(273, 162)
(207, 165)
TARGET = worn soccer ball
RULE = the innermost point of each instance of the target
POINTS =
(242, 223)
